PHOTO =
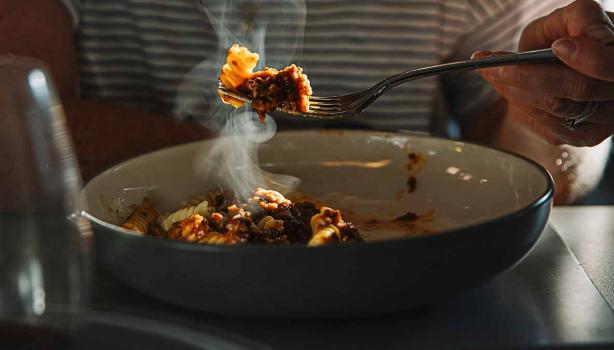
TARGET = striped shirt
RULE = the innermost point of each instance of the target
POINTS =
(165, 55)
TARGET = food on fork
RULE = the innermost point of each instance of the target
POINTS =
(266, 218)
(268, 89)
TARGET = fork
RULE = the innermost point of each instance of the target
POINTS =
(334, 107)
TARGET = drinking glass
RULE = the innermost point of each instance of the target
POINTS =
(44, 258)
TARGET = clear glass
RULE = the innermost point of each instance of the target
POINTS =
(44, 258)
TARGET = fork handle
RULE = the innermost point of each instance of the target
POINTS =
(537, 56)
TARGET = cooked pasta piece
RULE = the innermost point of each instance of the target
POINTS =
(328, 227)
(142, 217)
(191, 229)
(326, 235)
(324, 227)
(219, 239)
(326, 217)
(269, 223)
(202, 209)
(266, 218)
(239, 66)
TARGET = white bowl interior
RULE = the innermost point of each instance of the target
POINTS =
(363, 173)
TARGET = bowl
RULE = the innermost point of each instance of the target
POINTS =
(486, 208)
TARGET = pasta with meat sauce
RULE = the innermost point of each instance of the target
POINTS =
(268, 89)
(266, 218)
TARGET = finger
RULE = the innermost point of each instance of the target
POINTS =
(555, 106)
(563, 108)
(552, 130)
(484, 53)
(553, 79)
(582, 18)
(558, 107)
(585, 135)
(586, 56)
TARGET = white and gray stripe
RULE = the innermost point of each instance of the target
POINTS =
(146, 53)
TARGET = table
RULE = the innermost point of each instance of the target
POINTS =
(560, 295)
(589, 233)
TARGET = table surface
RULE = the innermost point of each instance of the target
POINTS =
(589, 234)
(561, 294)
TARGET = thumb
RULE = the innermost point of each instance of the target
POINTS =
(586, 56)
(582, 18)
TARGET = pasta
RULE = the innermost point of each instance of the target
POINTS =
(268, 89)
(219, 239)
(142, 218)
(238, 68)
(195, 228)
(326, 227)
(265, 218)
(184, 213)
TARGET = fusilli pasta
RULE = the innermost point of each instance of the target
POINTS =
(142, 217)
(239, 66)
(266, 218)
(184, 213)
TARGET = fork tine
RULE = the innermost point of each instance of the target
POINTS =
(331, 108)
(325, 103)
(338, 98)
(323, 117)
(313, 114)
(320, 115)
(318, 106)
(324, 98)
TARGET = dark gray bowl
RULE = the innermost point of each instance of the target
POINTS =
(490, 208)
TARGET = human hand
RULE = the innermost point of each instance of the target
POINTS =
(541, 96)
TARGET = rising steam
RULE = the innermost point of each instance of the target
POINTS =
(274, 30)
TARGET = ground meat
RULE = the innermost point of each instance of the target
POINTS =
(270, 89)
(296, 226)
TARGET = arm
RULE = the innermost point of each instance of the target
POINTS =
(538, 97)
(103, 134)
(575, 170)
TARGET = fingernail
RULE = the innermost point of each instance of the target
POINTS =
(600, 32)
(564, 47)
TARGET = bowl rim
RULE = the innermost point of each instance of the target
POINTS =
(541, 200)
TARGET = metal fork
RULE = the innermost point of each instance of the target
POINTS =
(333, 107)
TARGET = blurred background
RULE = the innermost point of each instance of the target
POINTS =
(604, 193)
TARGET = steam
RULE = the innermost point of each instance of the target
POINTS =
(274, 30)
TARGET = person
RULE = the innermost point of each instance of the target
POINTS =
(123, 67)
